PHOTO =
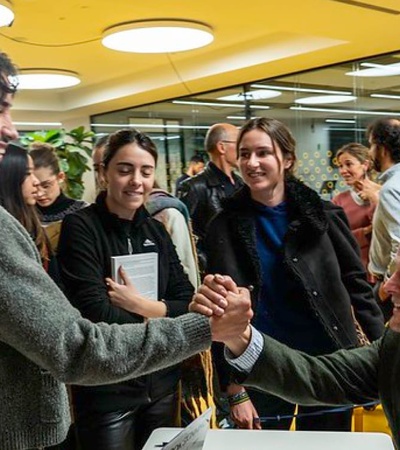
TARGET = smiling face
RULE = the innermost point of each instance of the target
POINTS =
(30, 184)
(262, 166)
(351, 169)
(130, 178)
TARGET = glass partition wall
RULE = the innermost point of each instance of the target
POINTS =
(325, 108)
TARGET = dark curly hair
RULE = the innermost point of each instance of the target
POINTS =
(386, 132)
(8, 76)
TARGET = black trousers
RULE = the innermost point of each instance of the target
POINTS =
(125, 430)
(271, 406)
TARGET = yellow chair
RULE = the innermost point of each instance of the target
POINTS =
(370, 420)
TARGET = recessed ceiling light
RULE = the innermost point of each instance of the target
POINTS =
(252, 95)
(377, 71)
(298, 89)
(324, 99)
(157, 36)
(6, 13)
(46, 79)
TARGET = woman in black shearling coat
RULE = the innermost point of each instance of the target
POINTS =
(298, 256)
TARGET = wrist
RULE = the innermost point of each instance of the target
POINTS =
(138, 305)
(233, 389)
(240, 343)
(237, 399)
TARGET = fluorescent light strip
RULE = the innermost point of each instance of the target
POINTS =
(346, 111)
(259, 107)
(340, 121)
(394, 97)
(344, 129)
(149, 125)
(165, 138)
(226, 105)
(38, 124)
(316, 91)
(238, 117)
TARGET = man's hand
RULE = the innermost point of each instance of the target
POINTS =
(383, 294)
(244, 415)
(211, 296)
(234, 323)
(368, 190)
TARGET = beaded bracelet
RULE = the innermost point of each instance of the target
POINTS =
(238, 398)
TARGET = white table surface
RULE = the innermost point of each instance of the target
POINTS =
(279, 440)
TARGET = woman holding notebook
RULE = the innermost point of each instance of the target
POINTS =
(122, 416)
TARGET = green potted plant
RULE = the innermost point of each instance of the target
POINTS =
(74, 148)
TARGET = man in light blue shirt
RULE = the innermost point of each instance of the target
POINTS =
(384, 139)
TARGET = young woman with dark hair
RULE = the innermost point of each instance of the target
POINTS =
(18, 193)
(122, 416)
(300, 258)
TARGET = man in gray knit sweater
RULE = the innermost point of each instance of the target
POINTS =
(44, 341)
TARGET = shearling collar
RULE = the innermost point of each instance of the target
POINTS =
(305, 207)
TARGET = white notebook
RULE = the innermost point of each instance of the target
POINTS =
(142, 270)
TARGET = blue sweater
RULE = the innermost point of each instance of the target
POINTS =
(276, 315)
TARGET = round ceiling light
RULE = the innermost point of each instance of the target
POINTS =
(6, 13)
(46, 79)
(376, 70)
(324, 99)
(157, 36)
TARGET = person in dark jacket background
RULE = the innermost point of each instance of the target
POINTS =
(122, 416)
(196, 165)
(302, 262)
(203, 193)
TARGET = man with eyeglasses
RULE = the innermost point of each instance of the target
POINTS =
(45, 342)
(204, 192)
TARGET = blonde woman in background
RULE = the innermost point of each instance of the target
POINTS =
(360, 200)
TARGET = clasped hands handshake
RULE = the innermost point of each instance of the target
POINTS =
(229, 309)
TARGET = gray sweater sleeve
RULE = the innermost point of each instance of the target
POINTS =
(37, 321)
(343, 377)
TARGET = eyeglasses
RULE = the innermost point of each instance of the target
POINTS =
(228, 142)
